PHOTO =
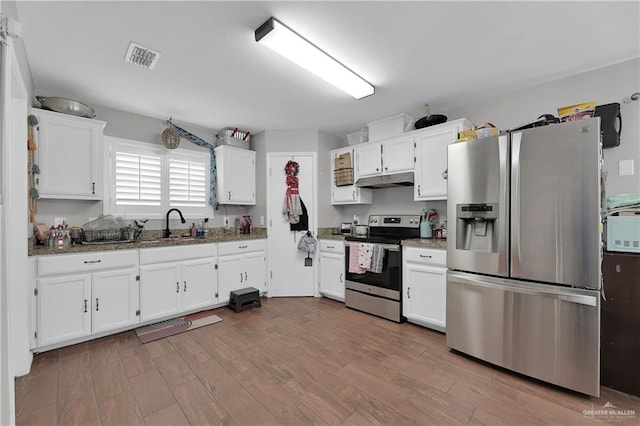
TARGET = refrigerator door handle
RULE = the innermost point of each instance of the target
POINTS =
(503, 218)
(516, 140)
(523, 288)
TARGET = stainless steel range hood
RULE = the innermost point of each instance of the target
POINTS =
(386, 181)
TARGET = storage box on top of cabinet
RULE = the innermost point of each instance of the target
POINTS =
(388, 127)
(233, 137)
(69, 152)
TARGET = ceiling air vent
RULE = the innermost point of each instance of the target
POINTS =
(140, 55)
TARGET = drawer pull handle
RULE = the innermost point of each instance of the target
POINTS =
(177, 287)
(424, 255)
(240, 276)
(93, 261)
(330, 247)
(185, 286)
(97, 304)
(93, 188)
(85, 305)
(408, 292)
(341, 277)
(242, 247)
(245, 277)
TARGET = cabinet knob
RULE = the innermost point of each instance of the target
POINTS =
(408, 292)
(229, 195)
(377, 169)
(245, 277)
(386, 168)
(97, 304)
(353, 194)
(85, 305)
(185, 286)
(177, 287)
(93, 188)
(445, 174)
(418, 189)
(240, 276)
(341, 277)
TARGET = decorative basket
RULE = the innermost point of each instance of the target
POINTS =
(343, 177)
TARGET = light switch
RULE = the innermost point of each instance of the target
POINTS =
(625, 168)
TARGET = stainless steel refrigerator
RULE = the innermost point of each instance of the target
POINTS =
(524, 252)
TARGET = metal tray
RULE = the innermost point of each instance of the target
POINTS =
(66, 106)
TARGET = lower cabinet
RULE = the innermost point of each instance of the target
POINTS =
(332, 269)
(84, 294)
(176, 279)
(425, 287)
(241, 264)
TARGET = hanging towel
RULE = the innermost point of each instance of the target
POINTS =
(354, 254)
(364, 258)
(377, 259)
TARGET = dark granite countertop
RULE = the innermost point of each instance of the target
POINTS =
(152, 239)
(327, 234)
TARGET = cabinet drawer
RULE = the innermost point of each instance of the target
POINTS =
(239, 247)
(332, 246)
(93, 261)
(177, 253)
(425, 256)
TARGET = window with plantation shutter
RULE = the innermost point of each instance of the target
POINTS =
(187, 182)
(138, 180)
(146, 180)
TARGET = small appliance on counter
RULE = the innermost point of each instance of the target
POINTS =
(345, 228)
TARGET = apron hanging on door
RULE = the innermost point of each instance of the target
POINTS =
(294, 209)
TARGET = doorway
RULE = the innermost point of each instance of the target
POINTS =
(290, 273)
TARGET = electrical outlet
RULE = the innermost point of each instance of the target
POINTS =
(226, 221)
(261, 220)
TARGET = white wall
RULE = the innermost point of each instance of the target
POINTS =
(605, 85)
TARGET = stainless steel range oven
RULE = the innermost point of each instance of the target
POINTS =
(378, 289)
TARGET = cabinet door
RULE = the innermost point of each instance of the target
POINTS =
(369, 159)
(197, 283)
(240, 180)
(64, 311)
(425, 296)
(431, 163)
(114, 300)
(159, 290)
(397, 154)
(255, 270)
(348, 194)
(230, 276)
(70, 157)
(332, 275)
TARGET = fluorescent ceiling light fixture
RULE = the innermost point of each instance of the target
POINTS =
(282, 39)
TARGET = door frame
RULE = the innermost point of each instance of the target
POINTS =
(15, 356)
(313, 212)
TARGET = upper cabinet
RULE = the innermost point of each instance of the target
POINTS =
(347, 194)
(390, 156)
(69, 156)
(236, 173)
(431, 159)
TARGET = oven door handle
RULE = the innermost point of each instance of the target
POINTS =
(389, 247)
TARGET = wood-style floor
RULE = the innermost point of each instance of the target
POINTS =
(293, 361)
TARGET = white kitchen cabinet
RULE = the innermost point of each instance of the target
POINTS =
(348, 194)
(241, 264)
(424, 287)
(63, 311)
(393, 155)
(332, 269)
(236, 175)
(69, 156)
(79, 295)
(175, 280)
(431, 159)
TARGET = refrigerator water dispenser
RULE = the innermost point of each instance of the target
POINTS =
(477, 227)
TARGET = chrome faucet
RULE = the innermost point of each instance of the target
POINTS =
(167, 231)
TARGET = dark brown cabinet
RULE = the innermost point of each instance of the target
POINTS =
(620, 323)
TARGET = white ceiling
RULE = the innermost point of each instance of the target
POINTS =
(212, 73)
